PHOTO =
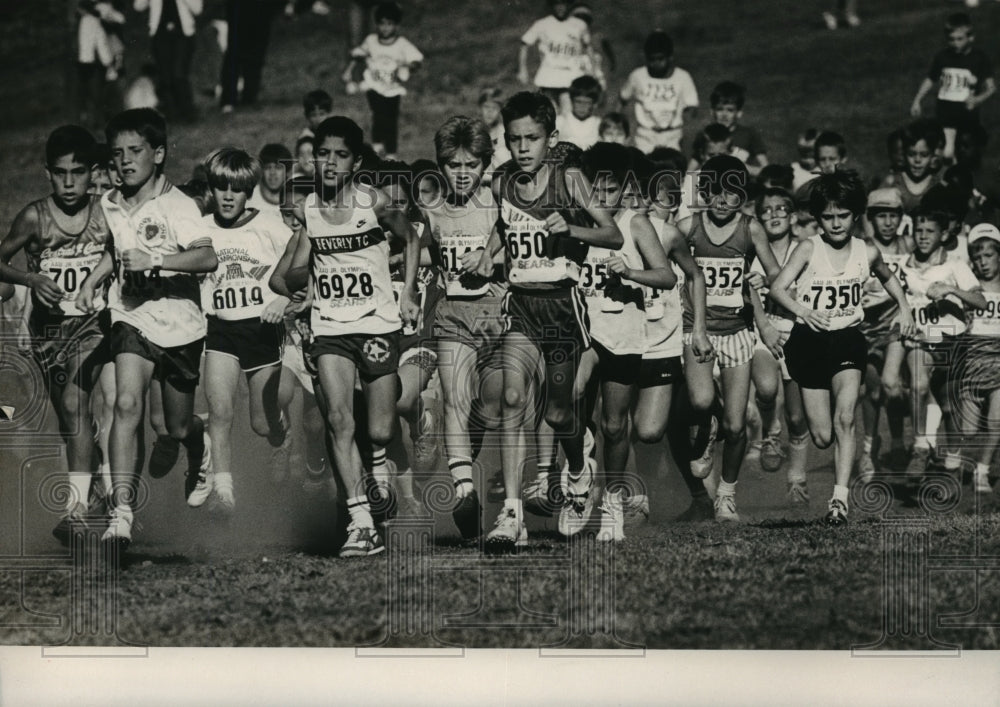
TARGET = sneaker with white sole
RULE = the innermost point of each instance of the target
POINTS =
(579, 503)
(837, 513)
(702, 466)
(725, 508)
(612, 520)
(635, 510)
(772, 454)
(198, 482)
(798, 493)
(536, 498)
(507, 535)
(361, 542)
(427, 447)
(225, 501)
(119, 531)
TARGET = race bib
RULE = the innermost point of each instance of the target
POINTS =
(935, 318)
(956, 84)
(526, 251)
(875, 292)
(344, 293)
(141, 285)
(459, 283)
(723, 281)
(986, 322)
(839, 296)
(69, 274)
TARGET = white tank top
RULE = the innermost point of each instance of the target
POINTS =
(664, 329)
(349, 274)
(614, 306)
(822, 288)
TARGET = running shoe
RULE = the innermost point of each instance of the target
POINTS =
(198, 481)
(73, 523)
(579, 502)
(635, 510)
(725, 509)
(507, 535)
(772, 454)
(612, 520)
(702, 466)
(119, 531)
(837, 513)
(361, 542)
(798, 493)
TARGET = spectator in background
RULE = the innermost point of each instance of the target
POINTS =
(98, 60)
(172, 27)
(249, 28)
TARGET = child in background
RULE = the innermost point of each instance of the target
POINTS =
(885, 350)
(580, 126)
(98, 63)
(975, 381)
(489, 110)
(305, 166)
(317, 106)
(727, 102)
(804, 169)
(964, 75)
(663, 95)
(389, 58)
(614, 127)
(714, 139)
(921, 140)
(563, 43)
(600, 47)
(274, 160)
(141, 93)
(830, 152)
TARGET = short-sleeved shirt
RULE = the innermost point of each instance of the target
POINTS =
(935, 318)
(959, 76)
(164, 306)
(748, 139)
(582, 133)
(247, 255)
(660, 103)
(383, 61)
(563, 45)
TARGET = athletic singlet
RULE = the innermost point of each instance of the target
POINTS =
(779, 317)
(615, 308)
(937, 318)
(457, 230)
(820, 287)
(725, 267)
(67, 258)
(349, 274)
(894, 255)
(986, 322)
(537, 259)
(247, 255)
(664, 332)
(910, 192)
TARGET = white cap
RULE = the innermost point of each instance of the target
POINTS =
(984, 230)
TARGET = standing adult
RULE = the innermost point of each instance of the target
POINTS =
(249, 28)
(172, 27)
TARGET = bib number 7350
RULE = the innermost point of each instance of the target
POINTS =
(834, 296)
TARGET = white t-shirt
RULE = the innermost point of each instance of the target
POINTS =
(261, 204)
(660, 103)
(383, 62)
(935, 318)
(564, 47)
(164, 306)
(582, 133)
(247, 255)
(500, 152)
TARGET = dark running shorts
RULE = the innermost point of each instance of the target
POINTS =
(654, 372)
(178, 365)
(553, 320)
(616, 368)
(255, 344)
(976, 367)
(374, 355)
(952, 114)
(815, 357)
(70, 348)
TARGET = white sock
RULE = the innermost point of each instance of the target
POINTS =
(224, 480)
(982, 469)
(933, 421)
(952, 461)
(840, 494)
(461, 475)
(79, 484)
(726, 489)
(380, 466)
(921, 442)
(361, 512)
(105, 472)
(867, 445)
(798, 451)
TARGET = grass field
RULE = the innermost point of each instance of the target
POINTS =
(270, 577)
